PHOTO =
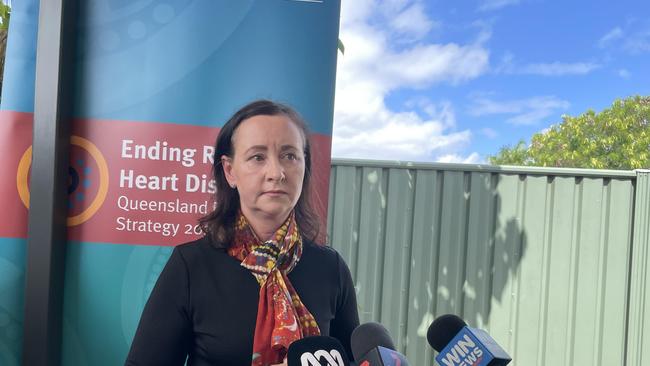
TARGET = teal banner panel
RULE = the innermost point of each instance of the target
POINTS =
(105, 291)
(12, 279)
(16, 111)
(154, 81)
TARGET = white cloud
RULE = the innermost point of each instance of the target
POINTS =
(508, 65)
(473, 158)
(559, 68)
(524, 111)
(404, 138)
(442, 111)
(488, 5)
(355, 11)
(612, 35)
(485, 31)
(623, 73)
(633, 38)
(489, 133)
(413, 22)
(638, 42)
(371, 69)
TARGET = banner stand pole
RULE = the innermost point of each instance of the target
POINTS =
(47, 231)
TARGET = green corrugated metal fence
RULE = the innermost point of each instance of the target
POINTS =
(638, 335)
(552, 262)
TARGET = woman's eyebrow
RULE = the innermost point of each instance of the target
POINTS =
(256, 148)
(288, 147)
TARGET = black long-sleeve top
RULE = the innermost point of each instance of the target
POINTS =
(204, 305)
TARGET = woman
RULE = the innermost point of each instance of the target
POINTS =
(256, 282)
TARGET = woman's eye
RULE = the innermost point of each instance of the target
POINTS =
(291, 156)
(256, 157)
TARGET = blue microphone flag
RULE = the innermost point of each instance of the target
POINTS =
(472, 347)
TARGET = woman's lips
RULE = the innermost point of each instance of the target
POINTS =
(275, 193)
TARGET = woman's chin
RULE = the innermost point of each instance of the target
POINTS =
(274, 211)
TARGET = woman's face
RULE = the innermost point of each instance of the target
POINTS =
(267, 167)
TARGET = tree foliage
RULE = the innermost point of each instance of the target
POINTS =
(616, 138)
(5, 13)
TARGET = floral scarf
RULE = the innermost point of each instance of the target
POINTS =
(281, 317)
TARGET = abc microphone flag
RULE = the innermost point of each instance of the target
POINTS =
(317, 351)
(460, 345)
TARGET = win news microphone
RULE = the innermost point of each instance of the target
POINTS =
(460, 345)
(372, 346)
(317, 351)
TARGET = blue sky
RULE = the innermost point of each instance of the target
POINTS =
(453, 81)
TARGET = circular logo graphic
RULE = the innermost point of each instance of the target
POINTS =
(88, 177)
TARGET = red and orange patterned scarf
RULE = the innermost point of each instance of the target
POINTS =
(281, 317)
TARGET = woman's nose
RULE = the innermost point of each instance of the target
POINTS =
(275, 170)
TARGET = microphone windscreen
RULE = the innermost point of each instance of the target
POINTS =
(317, 350)
(368, 336)
(443, 330)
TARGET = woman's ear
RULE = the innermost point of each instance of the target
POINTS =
(226, 165)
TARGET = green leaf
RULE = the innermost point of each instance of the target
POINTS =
(615, 138)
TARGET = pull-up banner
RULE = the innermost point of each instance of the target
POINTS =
(154, 82)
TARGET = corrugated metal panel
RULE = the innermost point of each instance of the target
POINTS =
(639, 320)
(538, 257)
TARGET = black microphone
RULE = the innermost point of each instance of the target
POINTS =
(459, 344)
(317, 351)
(373, 346)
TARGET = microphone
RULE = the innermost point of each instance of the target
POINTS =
(373, 346)
(317, 351)
(460, 345)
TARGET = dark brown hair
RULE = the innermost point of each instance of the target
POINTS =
(220, 223)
